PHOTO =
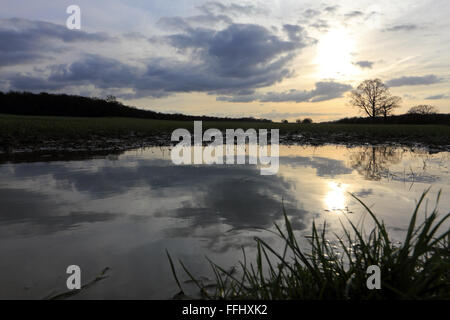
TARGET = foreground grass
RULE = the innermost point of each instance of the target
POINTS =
(18, 131)
(417, 269)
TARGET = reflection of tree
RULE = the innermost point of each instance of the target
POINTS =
(373, 162)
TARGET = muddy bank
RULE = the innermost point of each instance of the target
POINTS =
(100, 145)
(352, 140)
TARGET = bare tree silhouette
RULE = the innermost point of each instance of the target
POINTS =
(373, 98)
(389, 104)
(423, 109)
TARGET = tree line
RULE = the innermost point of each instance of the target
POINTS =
(46, 104)
(371, 97)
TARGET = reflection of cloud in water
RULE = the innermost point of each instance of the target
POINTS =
(114, 180)
(324, 167)
(42, 214)
(109, 208)
(239, 202)
(363, 193)
(202, 196)
(243, 201)
(237, 196)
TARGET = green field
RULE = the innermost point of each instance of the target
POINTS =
(29, 131)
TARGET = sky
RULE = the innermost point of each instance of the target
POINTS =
(274, 59)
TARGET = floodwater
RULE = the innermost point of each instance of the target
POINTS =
(123, 211)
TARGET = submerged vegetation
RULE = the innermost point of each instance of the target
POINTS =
(418, 268)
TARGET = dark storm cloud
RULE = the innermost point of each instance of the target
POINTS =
(25, 41)
(103, 72)
(240, 50)
(32, 83)
(402, 27)
(414, 81)
(364, 64)
(239, 57)
(325, 90)
(94, 70)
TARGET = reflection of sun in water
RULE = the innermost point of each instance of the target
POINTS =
(334, 54)
(335, 198)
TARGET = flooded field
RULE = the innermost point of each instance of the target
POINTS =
(123, 211)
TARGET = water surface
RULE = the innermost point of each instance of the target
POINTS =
(123, 211)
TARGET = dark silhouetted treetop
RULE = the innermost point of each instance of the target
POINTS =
(45, 104)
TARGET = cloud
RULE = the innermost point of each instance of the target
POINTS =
(320, 25)
(414, 81)
(295, 32)
(208, 19)
(25, 41)
(364, 193)
(214, 7)
(364, 64)
(310, 13)
(21, 206)
(331, 9)
(32, 83)
(238, 98)
(325, 167)
(238, 50)
(438, 97)
(353, 14)
(238, 57)
(256, 199)
(409, 96)
(323, 91)
(285, 115)
(402, 27)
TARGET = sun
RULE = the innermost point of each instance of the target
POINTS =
(334, 54)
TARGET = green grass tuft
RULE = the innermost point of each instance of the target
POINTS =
(417, 269)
